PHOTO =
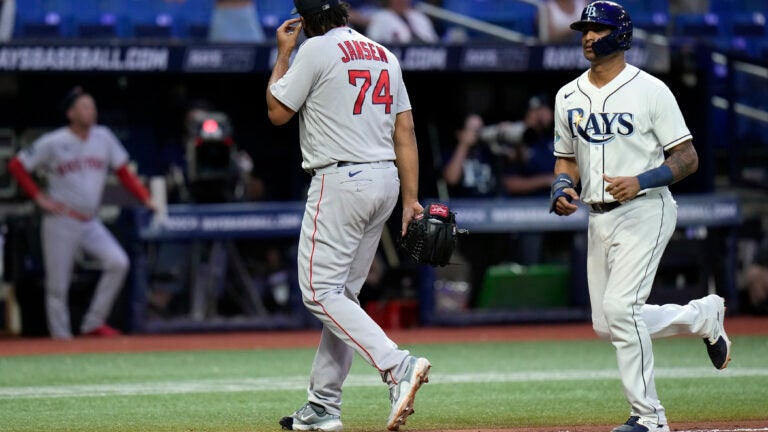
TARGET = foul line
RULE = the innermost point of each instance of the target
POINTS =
(233, 385)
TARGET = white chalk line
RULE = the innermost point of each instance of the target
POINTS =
(281, 383)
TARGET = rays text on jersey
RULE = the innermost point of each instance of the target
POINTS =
(600, 128)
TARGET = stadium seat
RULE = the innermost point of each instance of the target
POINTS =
(698, 25)
(720, 6)
(151, 18)
(272, 13)
(512, 14)
(652, 22)
(101, 19)
(747, 24)
(194, 18)
(43, 18)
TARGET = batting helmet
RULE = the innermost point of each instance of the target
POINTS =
(612, 15)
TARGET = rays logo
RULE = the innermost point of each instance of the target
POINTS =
(591, 11)
(600, 128)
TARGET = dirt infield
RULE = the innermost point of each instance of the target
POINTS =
(11, 346)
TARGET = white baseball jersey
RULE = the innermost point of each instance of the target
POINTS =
(76, 169)
(621, 129)
(355, 77)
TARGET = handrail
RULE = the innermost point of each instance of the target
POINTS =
(476, 24)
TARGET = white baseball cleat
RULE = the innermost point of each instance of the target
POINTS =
(403, 394)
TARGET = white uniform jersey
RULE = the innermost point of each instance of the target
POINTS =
(76, 169)
(621, 129)
(347, 90)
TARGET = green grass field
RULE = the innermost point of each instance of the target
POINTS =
(482, 385)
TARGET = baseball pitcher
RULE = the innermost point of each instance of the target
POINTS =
(357, 141)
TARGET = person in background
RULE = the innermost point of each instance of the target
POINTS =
(235, 21)
(7, 19)
(757, 280)
(77, 159)
(558, 16)
(400, 23)
(530, 172)
(471, 167)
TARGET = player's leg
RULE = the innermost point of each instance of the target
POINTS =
(699, 317)
(338, 214)
(60, 239)
(101, 244)
(597, 273)
(641, 233)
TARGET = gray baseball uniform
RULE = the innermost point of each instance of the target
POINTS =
(347, 90)
(77, 172)
(622, 129)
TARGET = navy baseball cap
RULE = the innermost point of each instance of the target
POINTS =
(312, 7)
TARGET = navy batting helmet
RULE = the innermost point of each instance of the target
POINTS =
(612, 15)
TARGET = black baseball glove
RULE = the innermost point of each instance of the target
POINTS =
(431, 239)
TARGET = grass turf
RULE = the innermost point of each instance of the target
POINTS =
(481, 385)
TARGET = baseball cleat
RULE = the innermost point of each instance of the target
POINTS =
(403, 394)
(312, 417)
(634, 424)
(103, 330)
(718, 345)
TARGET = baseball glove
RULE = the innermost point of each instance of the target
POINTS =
(432, 237)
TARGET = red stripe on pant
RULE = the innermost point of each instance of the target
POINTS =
(314, 297)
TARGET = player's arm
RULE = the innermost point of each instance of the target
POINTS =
(682, 162)
(133, 185)
(407, 160)
(564, 187)
(29, 186)
(287, 35)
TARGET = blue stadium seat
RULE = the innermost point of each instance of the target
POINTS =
(152, 19)
(635, 7)
(99, 19)
(719, 6)
(747, 24)
(707, 25)
(43, 18)
(514, 15)
(652, 22)
(194, 18)
(272, 13)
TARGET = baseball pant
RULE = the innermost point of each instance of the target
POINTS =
(625, 249)
(62, 238)
(345, 214)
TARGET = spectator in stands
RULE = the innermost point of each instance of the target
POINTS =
(235, 21)
(360, 12)
(471, 168)
(400, 23)
(530, 172)
(757, 280)
(558, 16)
(7, 19)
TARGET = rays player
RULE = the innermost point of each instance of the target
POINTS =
(613, 126)
(77, 159)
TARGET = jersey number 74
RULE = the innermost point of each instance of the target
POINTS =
(381, 94)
